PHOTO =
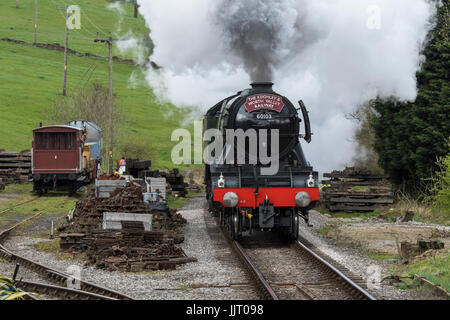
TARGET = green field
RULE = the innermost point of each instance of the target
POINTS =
(96, 21)
(31, 78)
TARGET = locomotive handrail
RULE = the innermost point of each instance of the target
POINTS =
(308, 133)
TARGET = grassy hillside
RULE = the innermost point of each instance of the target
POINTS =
(97, 20)
(32, 77)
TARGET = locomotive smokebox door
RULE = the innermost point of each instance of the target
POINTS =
(266, 215)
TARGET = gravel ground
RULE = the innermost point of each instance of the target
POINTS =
(354, 261)
(216, 275)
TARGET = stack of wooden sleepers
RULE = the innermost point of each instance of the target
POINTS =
(131, 248)
(15, 167)
(353, 190)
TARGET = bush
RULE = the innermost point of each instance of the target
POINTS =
(441, 189)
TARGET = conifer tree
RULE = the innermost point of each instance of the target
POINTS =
(409, 137)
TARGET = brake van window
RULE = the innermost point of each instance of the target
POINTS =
(55, 140)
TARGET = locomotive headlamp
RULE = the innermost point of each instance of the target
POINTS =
(302, 199)
(230, 199)
(221, 181)
(311, 181)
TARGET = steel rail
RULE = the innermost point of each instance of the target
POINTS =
(62, 292)
(261, 283)
(53, 274)
(257, 275)
(356, 290)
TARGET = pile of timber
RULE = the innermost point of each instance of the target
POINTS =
(177, 187)
(131, 248)
(354, 190)
(88, 214)
(112, 177)
(135, 167)
(15, 167)
(409, 250)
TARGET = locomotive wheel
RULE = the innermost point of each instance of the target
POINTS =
(216, 208)
(235, 234)
(73, 189)
(222, 216)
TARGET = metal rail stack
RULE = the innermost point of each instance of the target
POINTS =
(354, 190)
(15, 167)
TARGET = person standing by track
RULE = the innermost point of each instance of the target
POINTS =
(122, 165)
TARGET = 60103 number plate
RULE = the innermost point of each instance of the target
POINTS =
(263, 116)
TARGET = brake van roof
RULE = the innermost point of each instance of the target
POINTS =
(57, 129)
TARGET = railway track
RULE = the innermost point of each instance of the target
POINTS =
(320, 280)
(264, 287)
(351, 286)
(18, 205)
(86, 290)
(61, 292)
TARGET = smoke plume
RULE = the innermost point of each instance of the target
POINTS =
(335, 55)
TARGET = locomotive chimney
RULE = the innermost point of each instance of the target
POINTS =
(262, 86)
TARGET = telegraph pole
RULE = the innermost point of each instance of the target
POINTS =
(66, 49)
(109, 41)
(65, 54)
(35, 20)
(17, 4)
(111, 104)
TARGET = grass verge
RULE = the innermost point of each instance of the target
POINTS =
(178, 203)
(53, 202)
(380, 256)
(53, 247)
(434, 269)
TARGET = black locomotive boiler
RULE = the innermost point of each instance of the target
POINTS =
(243, 195)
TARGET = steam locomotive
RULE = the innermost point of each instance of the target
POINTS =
(65, 157)
(244, 196)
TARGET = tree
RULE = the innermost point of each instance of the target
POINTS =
(364, 136)
(410, 136)
(91, 104)
(440, 192)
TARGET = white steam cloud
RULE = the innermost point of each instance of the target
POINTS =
(129, 45)
(335, 55)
